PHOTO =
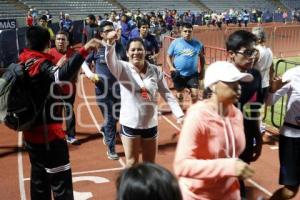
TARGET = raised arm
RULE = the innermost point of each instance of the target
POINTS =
(115, 66)
(67, 71)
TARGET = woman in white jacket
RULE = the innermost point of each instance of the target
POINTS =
(140, 83)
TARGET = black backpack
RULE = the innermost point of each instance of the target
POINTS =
(18, 110)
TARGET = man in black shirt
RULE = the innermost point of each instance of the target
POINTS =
(91, 29)
(242, 53)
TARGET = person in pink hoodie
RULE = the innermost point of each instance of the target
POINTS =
(212, 138)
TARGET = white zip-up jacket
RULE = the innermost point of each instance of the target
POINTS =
(136, 112)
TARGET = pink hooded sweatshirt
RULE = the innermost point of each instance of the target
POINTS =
(206, 152)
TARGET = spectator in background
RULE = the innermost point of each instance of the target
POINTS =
(68, 91)
(49, 17)
(240, 18)
(254, 15)
(150, 43)
(91, 29)
(285, 16)
(99, 20)
(61, 15)
(182, 60)
(43, 23)
(188, 17)
(170, 20)
(106, 17)
(29, 19)
(220, 19)
(125, 30)
(34, 15)
(67, 26)
(259, 16)
(161, 29)
(114, 19)
(212, 138)
(139, 15)
(135, 32)
(61, 19)
(246, 17)
(264, 63)
(147, 181)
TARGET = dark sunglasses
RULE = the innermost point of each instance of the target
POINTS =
(248, 52)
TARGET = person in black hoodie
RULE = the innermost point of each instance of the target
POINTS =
(45, 141)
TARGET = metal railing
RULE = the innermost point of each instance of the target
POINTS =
(281, 66)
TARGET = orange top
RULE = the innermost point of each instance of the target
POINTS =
(206, 152)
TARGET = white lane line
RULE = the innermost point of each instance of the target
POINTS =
(91, 171)
(93, 116)
(88, 106)
(255, 184)
(20, 167)
(261, 188)
(99, 171)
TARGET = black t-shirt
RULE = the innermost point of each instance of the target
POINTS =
(250, 88)
(251, 125)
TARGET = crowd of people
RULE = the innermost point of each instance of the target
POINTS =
(218, 140)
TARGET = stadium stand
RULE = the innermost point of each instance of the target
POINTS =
(12, 9)
(77, 9)
(291, 4)
(222, 5)
(158, 5)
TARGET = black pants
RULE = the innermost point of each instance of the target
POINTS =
(50, 170)
(70, 120)
(252, 132)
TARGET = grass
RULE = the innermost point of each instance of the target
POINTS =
(278, 117)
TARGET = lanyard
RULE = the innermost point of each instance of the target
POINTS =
(143, 91)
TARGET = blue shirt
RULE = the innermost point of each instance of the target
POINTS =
(67, 24)
(185, 55)
(134, 33)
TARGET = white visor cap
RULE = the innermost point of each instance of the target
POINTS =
(224, 71)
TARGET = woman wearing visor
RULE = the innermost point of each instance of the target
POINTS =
(212, 138)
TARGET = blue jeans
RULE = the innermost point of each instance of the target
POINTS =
(109, 104)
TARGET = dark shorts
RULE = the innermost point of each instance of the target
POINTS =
(181, 82)
(149, 133)
(289, 156)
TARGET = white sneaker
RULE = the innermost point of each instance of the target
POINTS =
(112, 155)
(72, 140)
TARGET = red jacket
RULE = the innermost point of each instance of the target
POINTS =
(42, 74)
